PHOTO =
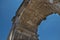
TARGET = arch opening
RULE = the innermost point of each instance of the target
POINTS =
(49, 29)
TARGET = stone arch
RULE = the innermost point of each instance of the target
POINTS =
(28, 17)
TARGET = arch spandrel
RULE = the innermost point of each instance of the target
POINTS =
(31, 14)
(35, 13)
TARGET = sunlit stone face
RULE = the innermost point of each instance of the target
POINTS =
(55, 3)
(51, 1)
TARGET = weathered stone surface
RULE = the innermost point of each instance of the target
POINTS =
(29, 16)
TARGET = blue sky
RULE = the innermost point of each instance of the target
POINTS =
(7, 11)
(49, 29)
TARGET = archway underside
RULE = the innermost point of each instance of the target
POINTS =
(27, 19)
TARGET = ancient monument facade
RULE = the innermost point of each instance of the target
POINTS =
(29, 15)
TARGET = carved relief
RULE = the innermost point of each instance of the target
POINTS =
(30, 15)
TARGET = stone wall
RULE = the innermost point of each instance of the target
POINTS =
(28, 17)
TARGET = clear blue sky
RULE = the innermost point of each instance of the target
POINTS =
(49, 29)
(7, 11)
